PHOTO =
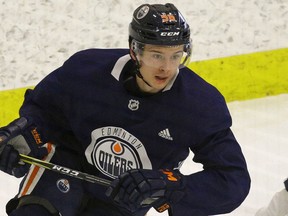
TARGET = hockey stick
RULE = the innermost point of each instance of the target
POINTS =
(64, 170)
(73, 173)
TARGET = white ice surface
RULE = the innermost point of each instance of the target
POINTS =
(261, 127)
(36, 37)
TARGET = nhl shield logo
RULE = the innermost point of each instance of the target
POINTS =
(133, 105)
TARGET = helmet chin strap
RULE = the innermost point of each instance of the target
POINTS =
(140, 76)
(138, 73)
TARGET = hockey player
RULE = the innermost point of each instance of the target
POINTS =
(130, 116)
(278, 205)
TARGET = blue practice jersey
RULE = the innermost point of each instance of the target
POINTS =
(84, 107)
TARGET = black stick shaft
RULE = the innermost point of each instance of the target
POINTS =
(64, 170)
(69, 172)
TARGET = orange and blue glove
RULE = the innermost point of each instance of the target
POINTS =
(140, 187)
(19, 137)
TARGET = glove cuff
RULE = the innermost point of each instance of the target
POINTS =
(33, 135)
(176, 184)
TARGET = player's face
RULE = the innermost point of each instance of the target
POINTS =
(158, 66)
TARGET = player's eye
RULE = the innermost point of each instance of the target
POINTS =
(157, 56)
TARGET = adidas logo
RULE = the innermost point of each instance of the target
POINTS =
(165, 134)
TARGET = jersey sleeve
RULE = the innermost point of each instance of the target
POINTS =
(224, 182)
(47, 106)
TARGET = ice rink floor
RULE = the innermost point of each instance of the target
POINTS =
(261, 127)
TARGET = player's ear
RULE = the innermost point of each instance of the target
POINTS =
(132, 54)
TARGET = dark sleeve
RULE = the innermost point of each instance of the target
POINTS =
(47, 104)
(224, 182)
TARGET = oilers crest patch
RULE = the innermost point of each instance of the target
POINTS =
(114, 150)
(63, 185)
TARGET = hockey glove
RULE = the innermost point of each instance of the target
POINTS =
(19, 137)
(138, 188)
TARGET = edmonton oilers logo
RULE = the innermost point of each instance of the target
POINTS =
(113, 157)
(113, 151)
(142, 12)
(63, 185)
